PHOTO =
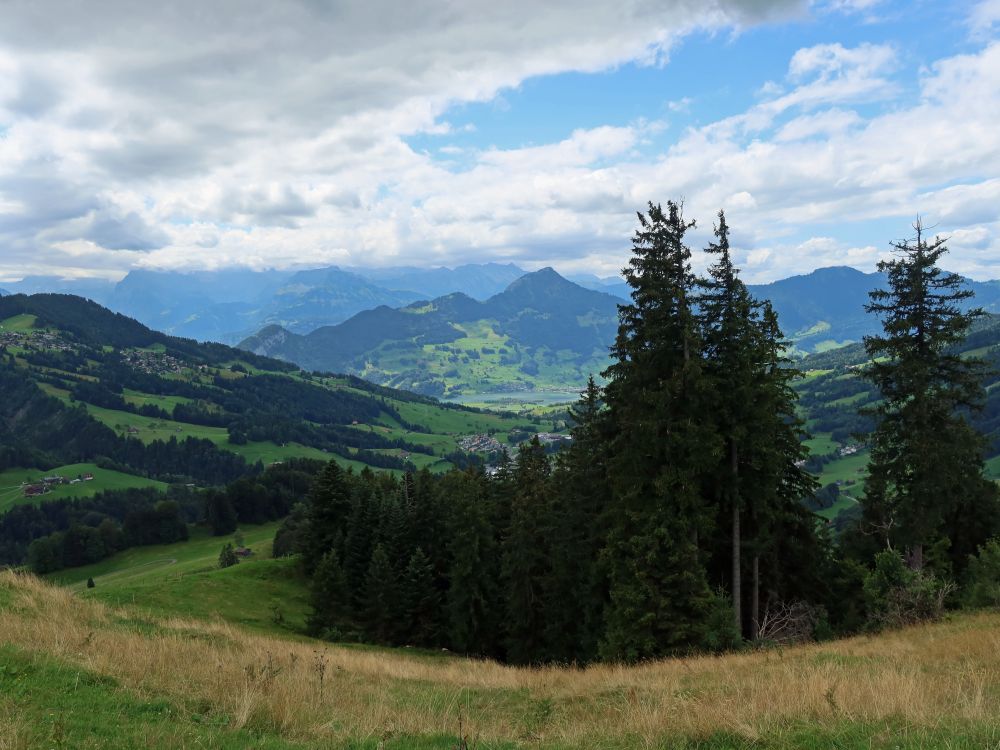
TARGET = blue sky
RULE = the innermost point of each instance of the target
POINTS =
(357, 134)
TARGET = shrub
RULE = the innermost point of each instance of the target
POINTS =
(90, 583)
(228, 556)
(898, 596)
(721, 633)
(982, 579)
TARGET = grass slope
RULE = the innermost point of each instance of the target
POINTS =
(184, 579)
(929, 686)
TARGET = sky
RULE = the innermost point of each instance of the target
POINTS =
(205, 135)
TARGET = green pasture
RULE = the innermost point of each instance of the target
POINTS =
(821, 444)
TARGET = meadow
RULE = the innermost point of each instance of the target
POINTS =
(78, 672)
(11, 491)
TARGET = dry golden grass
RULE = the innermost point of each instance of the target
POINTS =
(927, 677)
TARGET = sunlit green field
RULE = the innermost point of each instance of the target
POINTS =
(19, 323)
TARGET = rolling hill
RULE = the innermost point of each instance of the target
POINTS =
(541, 332)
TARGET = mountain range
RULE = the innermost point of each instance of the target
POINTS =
(541, 332)
(228, 305)
(818, 311)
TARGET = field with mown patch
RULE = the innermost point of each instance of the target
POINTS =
(12, 492)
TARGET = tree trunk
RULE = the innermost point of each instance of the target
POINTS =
(917, 557)
(755, 600)
(737, 541)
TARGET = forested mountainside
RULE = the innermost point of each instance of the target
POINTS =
(83, 384)
(542, 332)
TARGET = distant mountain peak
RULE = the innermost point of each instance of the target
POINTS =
(542, 278)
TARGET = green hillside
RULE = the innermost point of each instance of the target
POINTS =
(171, 394)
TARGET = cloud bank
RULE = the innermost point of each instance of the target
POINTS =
(202, 135)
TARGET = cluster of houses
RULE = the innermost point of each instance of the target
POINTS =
(480, 444)
(554, 438)
(37, 340)
(45, 485)
(152, 363)
(849, 450)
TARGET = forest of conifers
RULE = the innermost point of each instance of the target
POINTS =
(675, 520)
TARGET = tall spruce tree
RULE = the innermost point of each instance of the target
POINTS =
(772, 478)
(329, 506)
(731, 336)
(382, 603)
(926, 459)
(472, 612)
(757, 480)
(660, 449)
(576, 589)
(525, 553)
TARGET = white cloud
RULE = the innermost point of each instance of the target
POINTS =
(984, 17)
(278, 140)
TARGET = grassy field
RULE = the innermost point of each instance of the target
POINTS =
(140, 399)
(19, 323)
(821, 444)
(11, 493)
(75, 672)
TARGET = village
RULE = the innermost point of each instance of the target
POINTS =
(34, 340)
(153, 363)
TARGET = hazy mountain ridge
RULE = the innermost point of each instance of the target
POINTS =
(819, 310)
(825, 308)
(230, 304)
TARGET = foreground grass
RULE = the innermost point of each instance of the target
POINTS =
(929, 686)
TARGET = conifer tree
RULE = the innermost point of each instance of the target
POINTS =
(926, 459)
(525, 556)
(576, 589)
(473, 571)
(661, 447)
(227, 557)
(331, 603)
(773, 480)
(329, 505)
(729, 315)
(382, 608)
(423, 601)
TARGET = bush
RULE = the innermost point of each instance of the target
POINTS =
(898, 596)
(227, 557)
(982, 579)
(90, 583)
(721, 633)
